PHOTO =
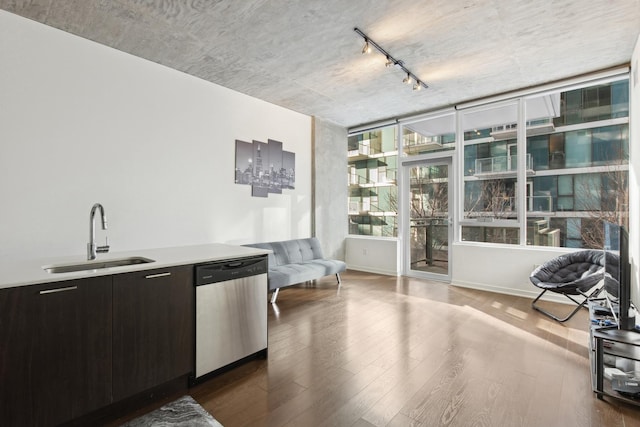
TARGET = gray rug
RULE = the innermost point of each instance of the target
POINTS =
(182, 412)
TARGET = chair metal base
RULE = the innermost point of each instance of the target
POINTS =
(578, 303)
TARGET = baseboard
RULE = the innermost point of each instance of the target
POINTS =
(369, 269)
(532, 294)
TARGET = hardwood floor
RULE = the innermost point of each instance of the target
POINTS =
(396, 351)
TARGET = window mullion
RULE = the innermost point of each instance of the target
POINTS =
(521, 182)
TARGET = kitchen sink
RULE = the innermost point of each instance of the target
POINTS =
(96, 264)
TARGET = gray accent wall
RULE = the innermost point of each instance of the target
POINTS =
(329, 187)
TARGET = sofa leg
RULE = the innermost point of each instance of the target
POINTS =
(338, 277)
(274, 296)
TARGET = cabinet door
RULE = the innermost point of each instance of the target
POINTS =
(55, 351)
(153, 317)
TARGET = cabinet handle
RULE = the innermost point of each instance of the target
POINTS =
(53, 291)
(153, 276)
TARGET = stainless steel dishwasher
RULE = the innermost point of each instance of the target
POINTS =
(231, 312)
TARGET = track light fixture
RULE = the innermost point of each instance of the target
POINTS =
(410, 78)
(367, 47)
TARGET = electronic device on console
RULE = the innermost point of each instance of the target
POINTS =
(626, 384)
(617, 280)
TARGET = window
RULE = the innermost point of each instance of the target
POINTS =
(538, 147)
(504, 235)
(577, 149)
(372, 174)
(553, 184)
(594, 103)
(586, 177)
(576, 168)
(429, 135)
(490, 174)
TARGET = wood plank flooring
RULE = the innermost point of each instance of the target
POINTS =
(396, 351)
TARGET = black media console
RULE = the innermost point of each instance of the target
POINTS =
(614, 354)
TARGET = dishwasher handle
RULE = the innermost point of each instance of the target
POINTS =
(228, 270)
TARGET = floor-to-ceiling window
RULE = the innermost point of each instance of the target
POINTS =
(574, 161)
(580, 156)
(373, 191)
(490, 206)
(541, 169)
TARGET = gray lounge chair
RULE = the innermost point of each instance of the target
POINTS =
(572, 275)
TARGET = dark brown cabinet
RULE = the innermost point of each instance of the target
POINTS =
(71, 348)
(55, 351)
(153, 316)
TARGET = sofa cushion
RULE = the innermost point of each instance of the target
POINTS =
(291, 251)
(281, 253)
(298, 250)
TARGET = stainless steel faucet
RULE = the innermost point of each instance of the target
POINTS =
(92, 248)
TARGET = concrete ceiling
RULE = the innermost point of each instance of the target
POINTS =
(305, 56)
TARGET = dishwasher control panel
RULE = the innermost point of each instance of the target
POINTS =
(221, 271)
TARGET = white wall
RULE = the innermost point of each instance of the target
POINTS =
(489, 267)
(83, 123)
(372, 254)
(634, 174)
(501, 269)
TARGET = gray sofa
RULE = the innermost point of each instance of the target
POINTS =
(297, 261)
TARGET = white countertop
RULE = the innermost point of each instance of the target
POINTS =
(31, 272)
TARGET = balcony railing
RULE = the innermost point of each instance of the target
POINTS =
(540, 204)
(506, 208)
(384, 178)
(364, 206)
(500, 165)
(534, 127)
(414, 143)
(355, 207)
(364, 150)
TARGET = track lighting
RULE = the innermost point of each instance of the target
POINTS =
(410, 78)
(367, 47)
